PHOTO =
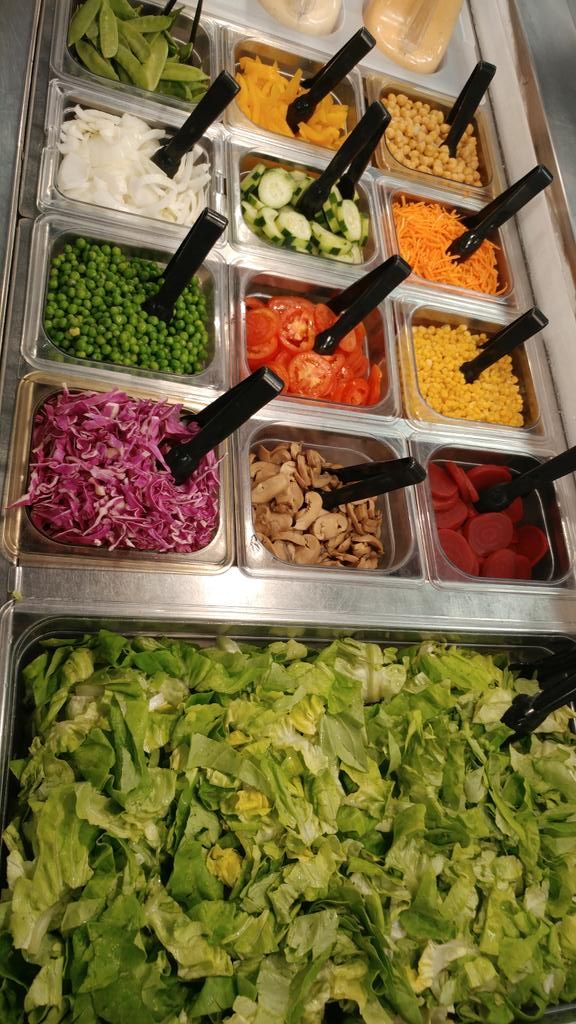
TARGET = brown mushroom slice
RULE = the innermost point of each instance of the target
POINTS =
(266, 542)
(280, 455)
(368, 562)
(373, 542)
(310, 513)
(280, 549)
(262, 471)
(291, 499)
(262, 453)
(310, 553)
(336, 543)
(268, 489)
(315, 461)
(345, 558)
(291, 535)
(354, 520)
(329, 525)
(324, 480)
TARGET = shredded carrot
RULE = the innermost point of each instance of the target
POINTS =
(265, 95)
(425, 230)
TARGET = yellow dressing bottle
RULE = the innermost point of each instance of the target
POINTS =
(413, 33)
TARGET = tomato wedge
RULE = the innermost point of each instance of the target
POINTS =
(297, 332)
(311, 375)
(261, 335)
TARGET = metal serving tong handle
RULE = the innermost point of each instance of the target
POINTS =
(219, 95)
(348, 181)
(501, 209)
(188, 257)
(360, 299)
(221, 418)
(527, 712)
(328, 77)
(495, 498)
(391, 476)
(467, 103)
(504, 342)
(314, 197)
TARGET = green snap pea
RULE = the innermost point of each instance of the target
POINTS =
(82, 20)
(108, 30)
(134, 40)
(152, 68)
(123, 9)
(92, 34)
(94, 61)
(153, 22)
(133, 68)
(174, 72)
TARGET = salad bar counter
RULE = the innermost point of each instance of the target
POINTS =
(288, 533)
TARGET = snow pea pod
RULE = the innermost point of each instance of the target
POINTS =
(152, 69)
(153, 22)
(108, 30)
(123, 9)
(181, 73)
(134, 40)
(130, 64)
(94, 61)
(82, 20)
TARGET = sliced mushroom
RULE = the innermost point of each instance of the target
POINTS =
(280, 549)
(368, 562)
(292, 536)
(310, 513)
(262, 471)
(371, 541)
(262, 453)
(269, 489)
(280, 455)
(310, 552)
(291, 499)
(266, 542)
(329, 525)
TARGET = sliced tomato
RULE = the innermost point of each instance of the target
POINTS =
(311, 375)
(297, 331)
(358, 363)
(374, 385)
(356, 391)
(283, 357)
(282, 371)
(323, 317)
(261, 334)
(349, 343)
(252, 302)
(280, 303)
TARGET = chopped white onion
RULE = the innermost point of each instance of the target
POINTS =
(107, 161)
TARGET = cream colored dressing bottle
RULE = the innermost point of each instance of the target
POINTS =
(413, 33)
(314, 17)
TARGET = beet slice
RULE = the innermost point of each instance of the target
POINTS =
(441, 485)
(443, 504)
(457, 549)
(489, 532)
(515, 510)
(465, 486)
(488, 476)
(453, 517)
(532, 543)
(523, 569)
(500, 565)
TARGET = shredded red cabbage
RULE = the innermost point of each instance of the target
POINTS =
(98, 477)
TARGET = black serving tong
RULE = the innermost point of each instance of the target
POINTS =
(167, 9)
(495, 214)
(169, 156)
(348, 181)
(368, 479)
(221, 418)
(467, 103)
(189, 256)
(498, 497)
(549, 668)
(504, 342)
(328, 77)
(359, 299)
(314, 197)
(528, 711)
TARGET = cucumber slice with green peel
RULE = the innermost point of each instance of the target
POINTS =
(251, 199)
(301, 187)
(329, 243)
(330, 216)
(349, 220)
(353, 256)
(270, 228)
(276, 188)
(294, 226)
(252, 180)
(365, 229)
(299, 176)
(250, 213)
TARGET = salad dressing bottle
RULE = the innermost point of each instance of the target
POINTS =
(314, 17)
(413, 33)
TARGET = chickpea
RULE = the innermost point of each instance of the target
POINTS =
(416, 139)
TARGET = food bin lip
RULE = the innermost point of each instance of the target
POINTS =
(66, 66)
(241, 277)
(254, 560)
(438, 309)
(23, 542)
(235, 120)
(377, 83)
(388, 187)
(63, 95)
(243, 240)
(46, 230)
(426, 449)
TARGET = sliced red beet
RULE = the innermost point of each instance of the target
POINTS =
(532, 543)
(443, 504)
(457, 549)
(489, 532)
(515, 511)
(453, 517)
(472, 512)
(500, 565)
(465, 486)
(441, 485)
(523, 569)
(488, 476)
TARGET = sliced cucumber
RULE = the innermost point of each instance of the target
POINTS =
(365, 229)
(349, 220)
(294, 226)
(329, 243)
(270, 227)
(276, 188)
(251, 199)
(251, 181)
(331, 216)
(250, 213)
(299, 176)
(301, 187)
(353, 256)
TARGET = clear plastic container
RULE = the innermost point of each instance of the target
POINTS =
(51, 232)
(347, 446)
(62, 99)
(548, 508)
(270, 51)
(413, 33)
(273, 281)
(315, 18)
(22, 541)
(65, 62)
